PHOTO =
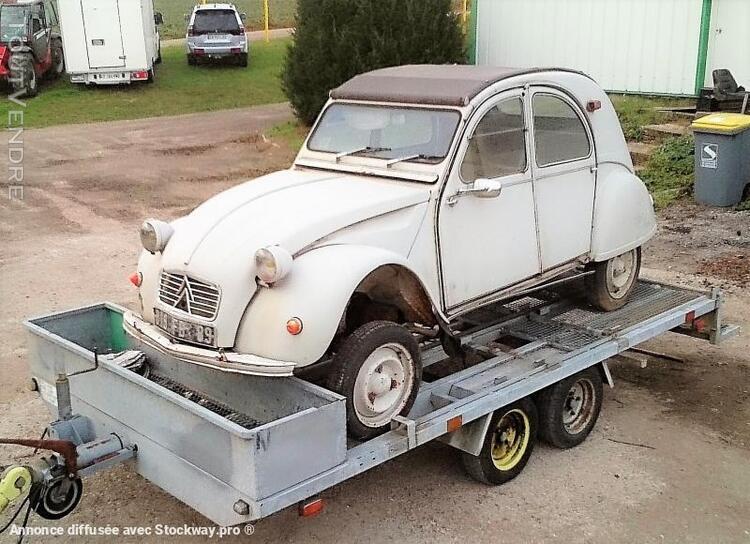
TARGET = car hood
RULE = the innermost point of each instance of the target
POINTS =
(293, 209)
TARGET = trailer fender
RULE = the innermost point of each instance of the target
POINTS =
(470, 437)
(317, 292)
(624, 217)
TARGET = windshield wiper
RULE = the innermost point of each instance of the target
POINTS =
(367, 149)
(420, 156)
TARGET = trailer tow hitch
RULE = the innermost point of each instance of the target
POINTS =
(52, 483)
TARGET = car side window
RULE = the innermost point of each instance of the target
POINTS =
(498, 145)
(559, 133)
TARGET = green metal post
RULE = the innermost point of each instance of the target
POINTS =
(471, 38)
(705, 33)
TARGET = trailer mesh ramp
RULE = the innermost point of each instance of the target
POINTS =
(574, 327)
(214, 406)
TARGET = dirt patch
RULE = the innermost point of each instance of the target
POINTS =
(733, 267)
(187, 150)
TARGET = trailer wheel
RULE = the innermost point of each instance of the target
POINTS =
(59, 500)
(507, 446)
(23, 76)
(378, 369)
(609, 287)
(568, 410)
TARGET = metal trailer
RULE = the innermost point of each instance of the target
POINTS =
(239, 448)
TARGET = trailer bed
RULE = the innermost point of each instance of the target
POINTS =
(268, 443)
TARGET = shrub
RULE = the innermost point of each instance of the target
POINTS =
(335, 40)
(670, 170)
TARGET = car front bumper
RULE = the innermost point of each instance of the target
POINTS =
(238, 363)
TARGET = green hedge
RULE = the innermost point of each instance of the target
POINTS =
(338, 39)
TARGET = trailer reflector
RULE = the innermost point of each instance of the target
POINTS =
(455, 423)
(311, 507)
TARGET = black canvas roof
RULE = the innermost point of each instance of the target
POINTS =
(443, 85)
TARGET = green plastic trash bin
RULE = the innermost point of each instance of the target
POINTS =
(722, 158)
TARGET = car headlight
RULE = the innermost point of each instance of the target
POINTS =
(272, 263)
(155, 234)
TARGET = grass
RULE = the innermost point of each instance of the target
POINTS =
(669, 172)
(637, 111)
(178, 89)
(293, 133)
(281, 14)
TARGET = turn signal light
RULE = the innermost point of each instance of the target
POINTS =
(311, 508)
(136, 278)
(593, 105)
(294, 326)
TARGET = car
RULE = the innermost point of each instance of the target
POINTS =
(422, 194)
(30, 44)
(216, 31)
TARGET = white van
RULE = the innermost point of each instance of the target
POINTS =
(110, 41)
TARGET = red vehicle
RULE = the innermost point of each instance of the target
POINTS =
(30, 44)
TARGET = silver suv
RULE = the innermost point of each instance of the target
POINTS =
(216, 31)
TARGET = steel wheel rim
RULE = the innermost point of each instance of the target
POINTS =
(621, 274)
(383, 385)
(510, 439)
(579, 406)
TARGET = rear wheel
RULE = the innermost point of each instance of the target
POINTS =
(612, 282)
(507, 446)
(378, 369)
(23, 76)
(158, 56)
(191, 60)
(58, 61)
(568, 410)
(243, 60)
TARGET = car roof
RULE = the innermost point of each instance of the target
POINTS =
(201, 7)
(434, 84)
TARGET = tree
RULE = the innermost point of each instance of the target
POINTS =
(335, 40)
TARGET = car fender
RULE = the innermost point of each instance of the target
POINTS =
(624, 217)
(316, 291)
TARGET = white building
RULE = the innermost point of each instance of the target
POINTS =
(638, 46)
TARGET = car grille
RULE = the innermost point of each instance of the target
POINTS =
(195, 297)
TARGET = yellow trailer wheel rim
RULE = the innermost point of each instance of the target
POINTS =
(510, 439)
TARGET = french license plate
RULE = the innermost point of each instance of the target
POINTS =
(187, 331)
(110, 76)
(216, 38)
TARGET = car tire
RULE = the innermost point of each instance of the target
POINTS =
(158, 56)
(612, 282)
(58, 61)
(569, 409)
(507, 445)
(378, 369)
(191, 60)
(23, 76)
(151, 75)
(243, 60)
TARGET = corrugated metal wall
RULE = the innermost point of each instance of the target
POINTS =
(729, 40)
(648, 46)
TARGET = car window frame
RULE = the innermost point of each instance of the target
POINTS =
(480, 113)
(560, 95)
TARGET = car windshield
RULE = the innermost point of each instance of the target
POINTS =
(210, 21)
(410, 134)
(12, 22)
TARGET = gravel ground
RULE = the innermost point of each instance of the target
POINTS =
(73, 240)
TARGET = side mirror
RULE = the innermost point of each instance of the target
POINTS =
(158, 18)
(485, 188)
(243, 16)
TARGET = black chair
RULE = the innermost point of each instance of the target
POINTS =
(725, 86)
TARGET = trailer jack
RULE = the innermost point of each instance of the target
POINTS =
(52, 484)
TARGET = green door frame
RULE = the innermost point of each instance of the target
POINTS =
(704, 38)
(471, 35)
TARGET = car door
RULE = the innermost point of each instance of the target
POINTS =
(487, 244)
(40, 34)
(564, 176)
(101, 23)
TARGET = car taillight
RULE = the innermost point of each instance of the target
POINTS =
(141, 74)
(239, 32)
(199, 52)
(191, 31)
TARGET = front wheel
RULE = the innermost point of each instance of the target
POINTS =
(612, 282)
(378, 369)
(23, 76)
(507, 445)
